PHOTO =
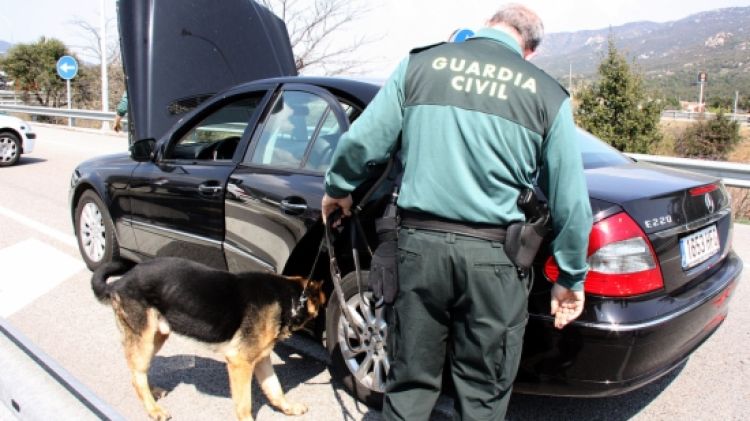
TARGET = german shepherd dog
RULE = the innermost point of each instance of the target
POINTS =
(244, 314)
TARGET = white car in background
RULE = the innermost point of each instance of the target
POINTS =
(16, 138)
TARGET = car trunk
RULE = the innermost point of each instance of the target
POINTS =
(177, 53)
(670, 206)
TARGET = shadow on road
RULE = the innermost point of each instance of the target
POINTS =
(623, 407)
(209, 376)
(29, 161)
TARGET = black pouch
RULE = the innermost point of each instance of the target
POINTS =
(383, 277)
(522, 242)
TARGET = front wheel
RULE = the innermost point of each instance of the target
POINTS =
(358, 352)
(10, 149)
(95, 231)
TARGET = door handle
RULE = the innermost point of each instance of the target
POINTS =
(295, 208)
(210, 190)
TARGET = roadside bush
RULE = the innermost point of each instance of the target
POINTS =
(740, 204)
(709, 139)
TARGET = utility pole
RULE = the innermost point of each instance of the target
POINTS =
(702, 79)
(105, 79)
(570, 77)
(736, 100)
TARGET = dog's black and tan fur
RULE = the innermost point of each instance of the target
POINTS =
(246, 314)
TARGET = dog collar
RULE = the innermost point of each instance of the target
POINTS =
(301, 302)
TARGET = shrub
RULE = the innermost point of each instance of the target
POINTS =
(709, 139)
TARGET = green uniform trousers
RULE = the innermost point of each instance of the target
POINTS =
(459, 295)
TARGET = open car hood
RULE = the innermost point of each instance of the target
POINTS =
(176, 53)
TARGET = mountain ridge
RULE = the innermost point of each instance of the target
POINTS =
(669, 54)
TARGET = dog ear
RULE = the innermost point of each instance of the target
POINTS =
(316, 296)
(318, 287)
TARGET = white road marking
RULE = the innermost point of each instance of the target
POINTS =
(58, 235)
(30, 269)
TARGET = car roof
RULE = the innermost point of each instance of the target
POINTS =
(359, 90)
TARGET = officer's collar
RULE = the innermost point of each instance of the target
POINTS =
(500, 36)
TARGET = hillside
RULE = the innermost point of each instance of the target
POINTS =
(670, 54)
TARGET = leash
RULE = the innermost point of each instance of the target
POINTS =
(335, 270)
(302, 300)
(355, 229)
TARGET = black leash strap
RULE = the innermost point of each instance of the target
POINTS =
(334, 268)
(356, 229)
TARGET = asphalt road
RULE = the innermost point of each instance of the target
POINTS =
(45, 293)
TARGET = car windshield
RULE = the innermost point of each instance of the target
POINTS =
(597, 154)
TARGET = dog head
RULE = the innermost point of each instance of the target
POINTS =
(315, 298)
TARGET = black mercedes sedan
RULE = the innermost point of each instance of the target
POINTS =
(234, 180)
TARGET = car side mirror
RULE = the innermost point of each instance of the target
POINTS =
(143, 150)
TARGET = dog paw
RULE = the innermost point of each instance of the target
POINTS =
(295, 408)
(158, 392)
(159, 414)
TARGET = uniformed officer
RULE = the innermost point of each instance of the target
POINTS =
(120, 111)
(479, 124)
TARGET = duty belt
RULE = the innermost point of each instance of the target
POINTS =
(425, 221)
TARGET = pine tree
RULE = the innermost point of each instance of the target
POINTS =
(617, 109)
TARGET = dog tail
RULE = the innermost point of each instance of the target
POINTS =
(99, 285)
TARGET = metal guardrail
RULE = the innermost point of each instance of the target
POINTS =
(693, 116)
(9, 98)
(60, 112)
(732, 174)
(34, 387)
(105, 115)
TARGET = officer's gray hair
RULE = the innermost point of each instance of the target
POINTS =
(523, 20)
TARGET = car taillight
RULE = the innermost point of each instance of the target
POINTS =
(622, 262)
(700, 191)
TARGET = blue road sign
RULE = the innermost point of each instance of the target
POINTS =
(461, 35)
(67, 67)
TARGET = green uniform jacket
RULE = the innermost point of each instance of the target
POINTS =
(122, 106)
(479, 124)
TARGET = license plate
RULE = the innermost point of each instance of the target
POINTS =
(696, 248)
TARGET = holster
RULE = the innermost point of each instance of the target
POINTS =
(523, 240)
(383, 277)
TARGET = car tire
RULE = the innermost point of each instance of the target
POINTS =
(10, 149)
(349, 351)
(95, 232)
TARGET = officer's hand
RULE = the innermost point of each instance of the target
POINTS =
(566, 305)
(330, 204)
(118, 124)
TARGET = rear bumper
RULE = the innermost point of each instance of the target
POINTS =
(591, 359)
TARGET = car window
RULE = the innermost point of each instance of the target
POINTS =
(216, 136)
(322, 150)
(298, 118)
(597, 154)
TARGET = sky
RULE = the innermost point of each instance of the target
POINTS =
(396, 26)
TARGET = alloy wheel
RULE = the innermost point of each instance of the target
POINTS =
(92, 232)
(363, 344)
(8, 149)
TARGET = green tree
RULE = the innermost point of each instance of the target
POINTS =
(32, 67)
(616, 108)
(709, 139)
